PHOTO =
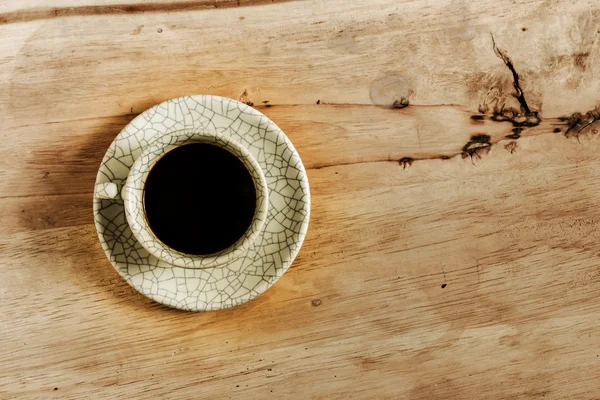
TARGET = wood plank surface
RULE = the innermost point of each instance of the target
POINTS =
(452, 151)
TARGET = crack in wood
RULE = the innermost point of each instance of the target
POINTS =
(402, 103)
(406, 162)
(512, 146)
(577, 123)
(478, 145)
(520, 95)
(525, 117)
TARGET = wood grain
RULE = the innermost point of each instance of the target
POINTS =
(450, 255)
(74, 10)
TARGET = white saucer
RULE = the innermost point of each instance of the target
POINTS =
(276, 246)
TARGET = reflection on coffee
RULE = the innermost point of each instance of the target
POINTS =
(199, 199)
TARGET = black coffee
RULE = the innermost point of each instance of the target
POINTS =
(199, 199)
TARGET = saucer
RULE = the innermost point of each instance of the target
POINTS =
(253, 271)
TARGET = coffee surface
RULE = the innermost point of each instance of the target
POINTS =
(199, 199)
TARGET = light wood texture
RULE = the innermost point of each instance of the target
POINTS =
(454, 274)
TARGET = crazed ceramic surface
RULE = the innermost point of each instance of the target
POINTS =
(133, 195)
(275, 247)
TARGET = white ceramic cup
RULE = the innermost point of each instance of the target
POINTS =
(132, 194)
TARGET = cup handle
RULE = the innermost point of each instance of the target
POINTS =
(108, 190)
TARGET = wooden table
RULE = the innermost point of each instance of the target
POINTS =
(453, 156)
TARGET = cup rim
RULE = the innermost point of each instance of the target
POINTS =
(133, 195)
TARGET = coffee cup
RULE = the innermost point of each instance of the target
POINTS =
(189, 195)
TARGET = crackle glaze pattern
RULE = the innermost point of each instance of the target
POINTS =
(107, 190)
(133, 195)
(275, 247)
